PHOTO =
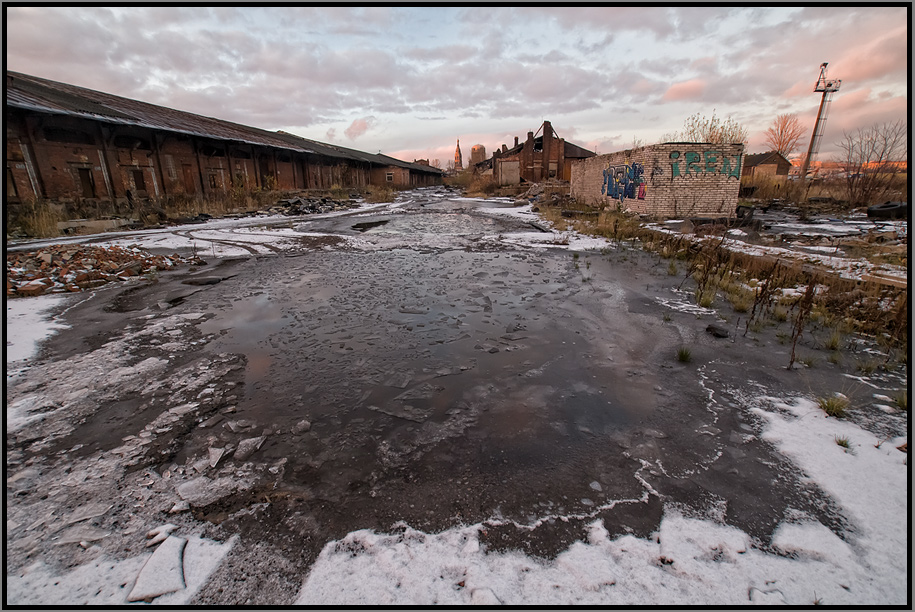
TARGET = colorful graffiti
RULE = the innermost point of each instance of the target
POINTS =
(693, 164)
(624, 181)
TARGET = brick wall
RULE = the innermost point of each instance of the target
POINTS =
(665, 181)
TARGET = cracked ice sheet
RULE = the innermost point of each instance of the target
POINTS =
(712, 564)
(108, 582)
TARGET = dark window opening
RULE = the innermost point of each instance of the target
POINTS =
(139, 182)
(214, 180)
(238, 154)
(53, 134)
(211, 151)
(131, 142)
(284, 158)
(86, 182)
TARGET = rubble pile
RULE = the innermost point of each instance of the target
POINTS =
(63, 268)
(310, 206)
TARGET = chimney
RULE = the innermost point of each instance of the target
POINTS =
(516, 141)
(504, 148)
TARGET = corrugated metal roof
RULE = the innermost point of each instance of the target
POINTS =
(42, 95)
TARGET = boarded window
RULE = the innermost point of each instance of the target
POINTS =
(170, 167)
(190, 185)
(86, 182)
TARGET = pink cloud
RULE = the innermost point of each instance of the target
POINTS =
(359, 127)
(686, 90)
(331, 134)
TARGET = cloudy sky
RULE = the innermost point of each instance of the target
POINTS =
(409, 81)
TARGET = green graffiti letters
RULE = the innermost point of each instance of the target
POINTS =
(730, 165)
(674, 166)
(710, 158)
(692, 162)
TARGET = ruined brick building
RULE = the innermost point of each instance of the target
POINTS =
(539, 158)
(70, 144)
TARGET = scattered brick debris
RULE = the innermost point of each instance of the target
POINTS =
(63, 268)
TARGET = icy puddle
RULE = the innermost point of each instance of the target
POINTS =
(397, 355)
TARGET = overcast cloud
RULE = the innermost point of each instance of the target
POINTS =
(410, 81)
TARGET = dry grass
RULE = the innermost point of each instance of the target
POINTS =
(834, 405)
(375, 194)
(37, 219)
(859, 307)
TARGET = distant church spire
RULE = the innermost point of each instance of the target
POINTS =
(458, 158)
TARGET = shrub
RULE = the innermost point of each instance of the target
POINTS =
(684, 355)
(867, 367)
(834, 405)
(834, 341)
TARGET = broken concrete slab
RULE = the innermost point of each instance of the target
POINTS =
(87, 512)
(214, 455)
(163, 572)
(82, 533)
(202, 491)
(248, 447)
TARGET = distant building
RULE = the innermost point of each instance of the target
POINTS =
(458, 158)
(477, 154)
(771, 163)
(539, 158)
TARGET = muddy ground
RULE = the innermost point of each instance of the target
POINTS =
(405, 365)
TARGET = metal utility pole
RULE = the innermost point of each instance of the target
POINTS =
(827, 87)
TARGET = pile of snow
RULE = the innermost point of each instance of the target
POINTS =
(28, 324)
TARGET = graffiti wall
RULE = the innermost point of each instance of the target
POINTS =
(665, 180)
(624, 181)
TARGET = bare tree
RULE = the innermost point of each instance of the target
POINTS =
(436, 163)
(784, 134)
(866, 160)
(449, 167)
(699, 128)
